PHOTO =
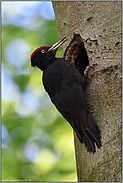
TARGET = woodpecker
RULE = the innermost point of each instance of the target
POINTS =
(65, 87)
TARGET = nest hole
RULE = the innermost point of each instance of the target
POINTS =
(76, 53)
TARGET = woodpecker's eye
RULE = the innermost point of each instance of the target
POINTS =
(43, 51)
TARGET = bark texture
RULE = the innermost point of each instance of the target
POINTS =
(99, 25)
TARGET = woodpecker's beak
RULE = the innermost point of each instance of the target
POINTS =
(57, 45)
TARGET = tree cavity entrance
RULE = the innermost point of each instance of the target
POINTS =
(76, 53)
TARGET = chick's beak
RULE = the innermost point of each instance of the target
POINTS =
(57, 45)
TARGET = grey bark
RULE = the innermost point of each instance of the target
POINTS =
(99, 24)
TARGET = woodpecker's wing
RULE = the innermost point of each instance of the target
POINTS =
(63, 84)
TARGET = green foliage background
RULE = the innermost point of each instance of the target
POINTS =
(40, 146)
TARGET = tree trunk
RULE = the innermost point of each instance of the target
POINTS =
(99, 25)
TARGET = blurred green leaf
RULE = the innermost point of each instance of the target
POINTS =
(22, 81)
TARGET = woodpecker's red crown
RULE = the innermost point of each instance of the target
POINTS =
(37, 51)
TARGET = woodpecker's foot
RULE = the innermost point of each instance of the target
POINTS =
(88, 68)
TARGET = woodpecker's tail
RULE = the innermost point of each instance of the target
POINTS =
(90, 136)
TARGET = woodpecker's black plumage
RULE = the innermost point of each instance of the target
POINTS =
(65, 86)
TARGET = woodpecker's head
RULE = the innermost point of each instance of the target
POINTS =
(44, 55)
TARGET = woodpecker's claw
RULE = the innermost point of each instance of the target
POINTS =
(88, 68)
